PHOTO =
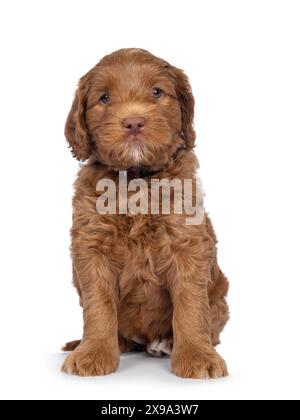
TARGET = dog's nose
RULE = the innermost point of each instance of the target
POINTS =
(134, 125)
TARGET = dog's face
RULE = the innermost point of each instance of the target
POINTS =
(131, 110)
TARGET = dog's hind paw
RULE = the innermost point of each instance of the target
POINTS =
(160, 347)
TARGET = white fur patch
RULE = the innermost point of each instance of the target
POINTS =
(136, 155)
(160, 348)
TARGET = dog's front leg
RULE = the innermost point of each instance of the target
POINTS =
(193, 355)
(98, 352)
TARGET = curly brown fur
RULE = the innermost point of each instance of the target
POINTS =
(140, 278)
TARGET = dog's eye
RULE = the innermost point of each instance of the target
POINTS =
(104, 98)
(157, 92)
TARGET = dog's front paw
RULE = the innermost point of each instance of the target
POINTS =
(199, 366)
(92, 359)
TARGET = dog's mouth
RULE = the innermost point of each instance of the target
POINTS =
(136, 138)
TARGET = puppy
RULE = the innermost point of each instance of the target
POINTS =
(145, 281)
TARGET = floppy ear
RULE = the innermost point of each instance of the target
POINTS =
(187, 103)
(76, 131)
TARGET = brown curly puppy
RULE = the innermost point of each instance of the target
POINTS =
(146, 281)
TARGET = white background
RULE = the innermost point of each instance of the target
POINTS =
(243, 60)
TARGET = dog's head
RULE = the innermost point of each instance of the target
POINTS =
(132, 109)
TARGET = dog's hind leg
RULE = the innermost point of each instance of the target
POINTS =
(219, 315)
(128, 346)
(219, 312)
(71, 345)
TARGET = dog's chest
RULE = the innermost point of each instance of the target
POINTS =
(144, 245)
(141, 241)
(144, 304)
